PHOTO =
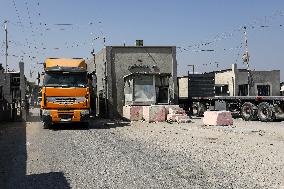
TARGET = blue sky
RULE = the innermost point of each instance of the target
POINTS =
(183, 23)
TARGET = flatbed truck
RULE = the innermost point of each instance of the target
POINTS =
(201, 97)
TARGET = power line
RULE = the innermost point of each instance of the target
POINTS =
(225, 35)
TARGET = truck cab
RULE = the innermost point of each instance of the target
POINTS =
(65, 92)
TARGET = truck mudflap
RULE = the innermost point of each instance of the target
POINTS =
(63, 116)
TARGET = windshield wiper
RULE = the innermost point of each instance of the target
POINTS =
(64, 86)
(81, 85)
(55, 85)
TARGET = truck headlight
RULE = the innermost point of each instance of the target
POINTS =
(85, 112)
(45, 112)
(50, 99)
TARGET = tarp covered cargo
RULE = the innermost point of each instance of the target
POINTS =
(64, 62)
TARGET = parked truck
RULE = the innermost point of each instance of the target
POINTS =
(66, 93)
(197, 95)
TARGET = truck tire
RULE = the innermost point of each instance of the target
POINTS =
(85, 124)
(266, 112)
(249, 111)
(198, 109)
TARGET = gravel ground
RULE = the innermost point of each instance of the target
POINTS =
(142, 155)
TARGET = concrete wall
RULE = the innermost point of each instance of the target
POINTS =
(226, 78)
(119, 60)
(90, 64)
(5, 80)
(271, 78)
(5, 107)
(23, 91)
(100, 60)
(8, 105)
(183, 87)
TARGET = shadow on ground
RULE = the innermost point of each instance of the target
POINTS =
(108, 124)
(69, 126)
(93, 124)
(13, 161)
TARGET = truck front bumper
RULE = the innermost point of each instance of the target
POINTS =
(63, 116)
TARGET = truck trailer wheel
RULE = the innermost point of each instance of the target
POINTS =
(266, 112)
(198, 109)
(249, 111)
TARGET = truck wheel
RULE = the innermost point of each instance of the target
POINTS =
(198, 109)
(85, 124)
(266, 112)
(249, 111)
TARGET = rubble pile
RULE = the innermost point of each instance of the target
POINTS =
(156, 113)
(177, 114)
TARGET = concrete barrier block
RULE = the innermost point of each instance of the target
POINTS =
(173, 117)
(182, 119)
(176, 111)
(154, 113)
(186, 120)
(214, 118)
(133, 113)
(172, 107)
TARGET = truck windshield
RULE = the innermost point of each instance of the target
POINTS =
(65, 79)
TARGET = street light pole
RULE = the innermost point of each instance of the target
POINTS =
(6, 54)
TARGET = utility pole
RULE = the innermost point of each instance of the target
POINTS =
(6, 54)
(246, 57)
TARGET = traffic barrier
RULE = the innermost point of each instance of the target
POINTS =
(214, 118)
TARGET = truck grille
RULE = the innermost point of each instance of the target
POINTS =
(65, 116)
(65, 100)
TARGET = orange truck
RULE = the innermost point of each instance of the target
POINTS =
(66, 93)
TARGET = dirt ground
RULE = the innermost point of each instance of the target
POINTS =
(246, 152)
(117, 154)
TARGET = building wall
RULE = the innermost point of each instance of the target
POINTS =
(90, 65)
(100, 60)
(183, 87)
(226, 78)
(8, 105)
(5, 108)
(235, 77)
(241, 78)
(23, 90)
(271, 78)
(100, 69)
(119, 60)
